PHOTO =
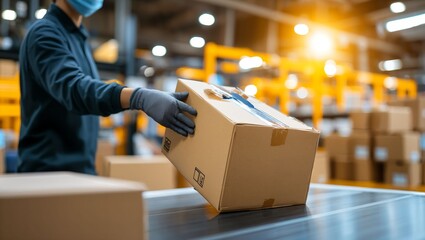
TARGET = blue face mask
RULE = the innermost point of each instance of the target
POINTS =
(86, 7)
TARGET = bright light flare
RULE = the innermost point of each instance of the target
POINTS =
(320, 44)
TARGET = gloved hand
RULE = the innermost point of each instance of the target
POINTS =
(165, 108)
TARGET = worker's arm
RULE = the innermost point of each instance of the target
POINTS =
(60, 75)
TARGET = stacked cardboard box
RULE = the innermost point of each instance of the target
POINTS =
(395, 147)
(338, 151)
(156, 172)
(382, 147)
(350, 156)
(417, 108)
(8, 68)
(361, 146)
(104, 148)
(321, 168)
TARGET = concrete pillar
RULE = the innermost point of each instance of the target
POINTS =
(272, 37)
(5, 4)
(363, 56)
(125, 34)
(229, 33)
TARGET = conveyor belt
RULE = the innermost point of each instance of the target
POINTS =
(331, 212)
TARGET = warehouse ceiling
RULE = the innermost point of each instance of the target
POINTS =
(266, 26)
(174, 20)
(353, 22)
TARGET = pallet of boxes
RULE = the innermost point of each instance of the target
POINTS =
(383, 146)
(412, 171)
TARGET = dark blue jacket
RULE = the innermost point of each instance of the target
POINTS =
(61, 97)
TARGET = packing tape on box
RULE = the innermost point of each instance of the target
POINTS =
(280, 130)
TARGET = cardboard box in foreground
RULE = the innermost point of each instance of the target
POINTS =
(70, 206)
(238, 160)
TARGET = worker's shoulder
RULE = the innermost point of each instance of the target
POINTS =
(44, 27)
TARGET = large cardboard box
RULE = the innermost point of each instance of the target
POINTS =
(242, 158)
(417, 106)
(336, 144)
(104, 148)
(360, 119)
(321, 168)
(364, 170)
(403, 174)
(397, 147)
(391, 120)
(70, 206)
(360, 145)
(156, 172)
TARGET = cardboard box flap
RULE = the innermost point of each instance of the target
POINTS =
(243, 111)
(61, 183)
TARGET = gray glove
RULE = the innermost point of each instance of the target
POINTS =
(165, 108)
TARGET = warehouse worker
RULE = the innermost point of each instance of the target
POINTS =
(61, 94)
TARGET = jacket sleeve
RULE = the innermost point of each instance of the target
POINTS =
(58, 73)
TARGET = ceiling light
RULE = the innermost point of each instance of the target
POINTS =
(397, 7)
(8, 15)
(206, 19)
(159, 51)
(390, 65)
(405, 23)
(39, 14)
(197, 42)
(301, 29)
(320, 44)
(250, 62)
